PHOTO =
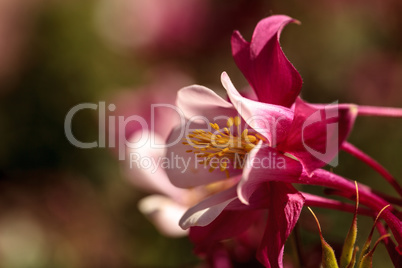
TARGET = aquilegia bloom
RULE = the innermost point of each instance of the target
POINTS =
(249, 152)
(225, 146)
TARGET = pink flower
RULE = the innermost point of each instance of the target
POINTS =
(294, 137)
(263, 145)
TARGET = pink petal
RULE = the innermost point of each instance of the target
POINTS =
(184, 168)
(266, 164)
(142, 167)
(265, 66)
(164, 214)
(284, 211)
(197, 101)
(208, 210)
(317, 134)
(269, 120)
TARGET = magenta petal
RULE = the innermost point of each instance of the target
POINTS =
(285, 207)
(228, 224)
(218, 255)
(266, 164)
(271, 121)
(265, 66)
(317, 134)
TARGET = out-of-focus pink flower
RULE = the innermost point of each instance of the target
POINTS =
(172, 27)
(153, 24)
(162, 89)
(141, 166)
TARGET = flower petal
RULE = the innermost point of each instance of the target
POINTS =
(265, 66)
(164, 214)
(316, 133)
(285, 207)
(207, 210)
(271, 121)
(266, 164)
(201, 101)
(184, 168)
(229, 224)
(143, 168)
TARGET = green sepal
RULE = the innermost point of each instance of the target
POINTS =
(350, 240)
(328, 254)
(353, 260)
(366, 246)
(367, 260)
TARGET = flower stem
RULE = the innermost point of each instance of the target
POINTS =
(318, 201)
(379, 111)
(352, 150)
(389, 199)
(325, 178)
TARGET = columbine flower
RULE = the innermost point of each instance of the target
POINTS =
(245, 144)
(228, 141)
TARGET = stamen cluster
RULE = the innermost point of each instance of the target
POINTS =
(229, 144)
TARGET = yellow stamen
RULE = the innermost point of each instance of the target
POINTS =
(237, 121)
(224, 166)
(251, 138)
(230, 122)
(244, 133)
(224, 146)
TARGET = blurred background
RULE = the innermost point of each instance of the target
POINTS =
(62, 206)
